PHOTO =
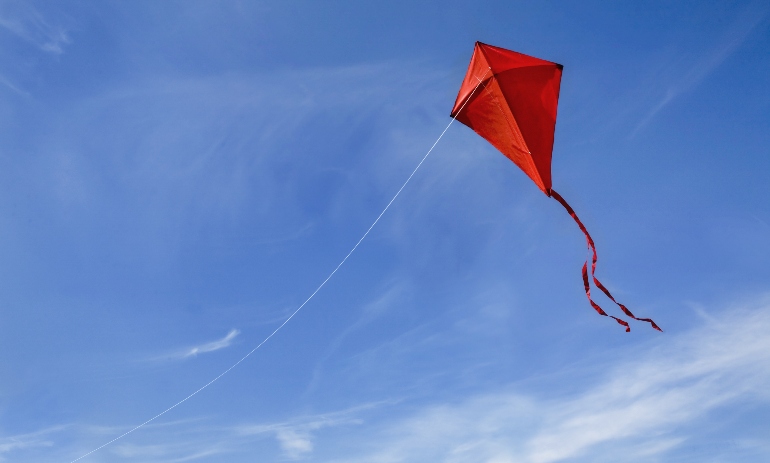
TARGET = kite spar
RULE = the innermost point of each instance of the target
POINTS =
(515, 110)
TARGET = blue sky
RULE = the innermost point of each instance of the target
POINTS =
(176, 178)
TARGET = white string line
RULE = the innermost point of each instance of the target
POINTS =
(306, 300)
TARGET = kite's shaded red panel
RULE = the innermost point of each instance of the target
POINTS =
(514, 108)
(510, 99)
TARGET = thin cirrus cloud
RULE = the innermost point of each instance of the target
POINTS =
(296, 437)
(637, 409)
(28, 24)
(189, 440)
(204, 348)
(12, 86)
(732, 39)
(21, 442)
(212, 346)
(295, 440)
(631, 408)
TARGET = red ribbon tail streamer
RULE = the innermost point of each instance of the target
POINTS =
(594, 304)
(622, 307)
(598, 284)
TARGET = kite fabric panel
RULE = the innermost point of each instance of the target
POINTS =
(514, 109)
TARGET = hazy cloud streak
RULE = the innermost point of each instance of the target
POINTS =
(736, 34)
(296, 436)
(23, 21)
(28, 440)
(643, 407)
(212, 346)
(199, 349)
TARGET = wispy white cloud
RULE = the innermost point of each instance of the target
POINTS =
(733, 38)
(9, 84)
(17, 442)
(295, 437)
(644, 406)
(25, 22)
(215, 167)
(189, 440)
(369, 313)
(176, 452)
(213, 345)
(201, 348)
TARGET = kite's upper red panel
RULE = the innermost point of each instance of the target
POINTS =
(510, 99)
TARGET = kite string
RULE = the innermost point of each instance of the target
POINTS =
(137, 427)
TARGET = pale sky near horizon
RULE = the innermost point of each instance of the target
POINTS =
(177, 177)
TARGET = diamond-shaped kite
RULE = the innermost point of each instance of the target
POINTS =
(510, 100)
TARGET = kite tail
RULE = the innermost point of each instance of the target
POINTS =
(598, 284)
(594, 304)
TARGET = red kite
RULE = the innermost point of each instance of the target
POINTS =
(515, 111)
